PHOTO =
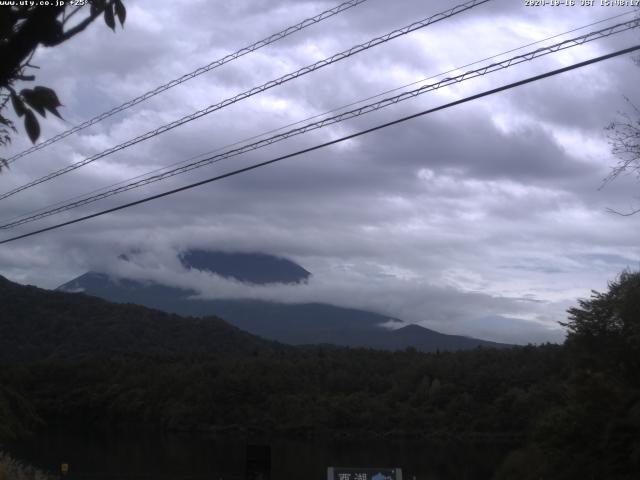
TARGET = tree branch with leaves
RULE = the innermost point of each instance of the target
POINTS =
(23, 29)
(624, 138)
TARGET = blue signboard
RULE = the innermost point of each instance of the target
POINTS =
(338, 473)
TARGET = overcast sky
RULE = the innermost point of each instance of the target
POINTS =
(485, 219)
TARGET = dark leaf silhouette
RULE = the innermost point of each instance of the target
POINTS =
(48, 99)
(18, 106)
(121, 11)
(96, 7)
(52, 34)
(109, 19)
(24, 27)
(31, 125)
(33, 100)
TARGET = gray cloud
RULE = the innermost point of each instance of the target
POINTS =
(484, 219)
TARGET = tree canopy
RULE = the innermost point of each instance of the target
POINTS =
(605, 329)
(25, 27)
(571, 411)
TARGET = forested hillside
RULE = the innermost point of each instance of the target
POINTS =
(312, 391)
(570, 411)
(40, 324)
(294, 324)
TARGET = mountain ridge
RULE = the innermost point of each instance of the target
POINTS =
(295, 324)
(44, 324)
(253, 268)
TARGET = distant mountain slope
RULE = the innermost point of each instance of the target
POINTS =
(296, 324)
(257, 268)
(37, 323)
(427, 340)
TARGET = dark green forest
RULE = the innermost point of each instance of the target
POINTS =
(570, 411)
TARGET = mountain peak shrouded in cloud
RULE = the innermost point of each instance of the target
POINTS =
(451, 221)
(300, 323)
(256, 268)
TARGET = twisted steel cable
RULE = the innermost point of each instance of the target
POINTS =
(318, 115)
(188, 76)
(255, 90)
(589, 37)
(329, 143)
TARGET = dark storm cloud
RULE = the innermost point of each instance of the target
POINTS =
(484, 219)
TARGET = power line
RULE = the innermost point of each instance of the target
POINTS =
(298, 122)
(255, 90)
(591, 36)
(332, 142)
(188, 76)
(335, 119)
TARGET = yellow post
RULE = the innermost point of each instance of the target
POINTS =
(64, 469)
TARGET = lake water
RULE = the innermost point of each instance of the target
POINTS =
(144, 456)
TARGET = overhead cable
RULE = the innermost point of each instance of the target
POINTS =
(619, 28)
(255, 90)
(188, 76)
(326, 144)
(318, 115)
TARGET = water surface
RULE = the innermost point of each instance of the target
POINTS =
(112, 456)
